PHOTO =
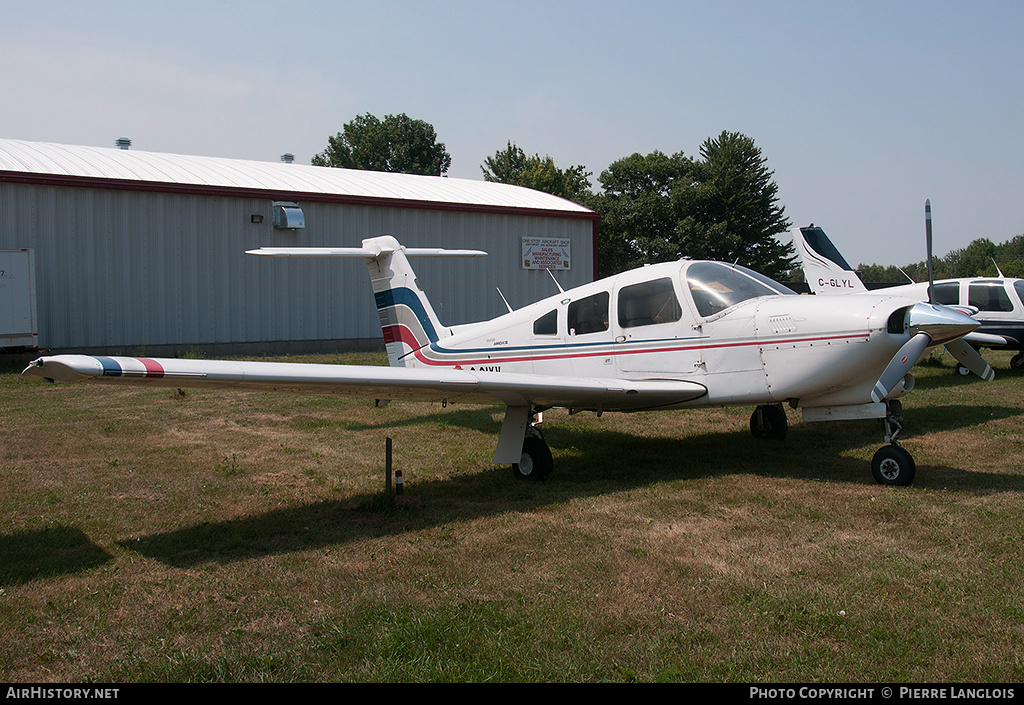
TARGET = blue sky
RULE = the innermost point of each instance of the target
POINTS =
(863, 109)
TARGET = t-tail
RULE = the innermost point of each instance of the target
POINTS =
(407, 319)
(825, 270)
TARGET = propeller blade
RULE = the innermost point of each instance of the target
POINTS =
(906, 358)
(967, 356)
(928, 244)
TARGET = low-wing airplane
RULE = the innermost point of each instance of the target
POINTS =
(667, 336)
(997, 303)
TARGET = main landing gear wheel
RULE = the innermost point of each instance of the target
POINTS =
(893, 466)
(1017, 362)
(769, 421)
(962, 371)
(536, 462)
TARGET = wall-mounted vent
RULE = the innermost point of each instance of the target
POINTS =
(288, 216)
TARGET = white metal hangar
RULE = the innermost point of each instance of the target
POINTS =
(144, 252)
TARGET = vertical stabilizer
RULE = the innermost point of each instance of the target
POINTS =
(825, 270)
(407, 319)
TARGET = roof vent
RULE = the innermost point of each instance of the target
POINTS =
(123, 143)
(288, 158)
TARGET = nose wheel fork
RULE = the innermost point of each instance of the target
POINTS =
(892, 464)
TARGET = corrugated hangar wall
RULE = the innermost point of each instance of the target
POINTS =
(162, 273)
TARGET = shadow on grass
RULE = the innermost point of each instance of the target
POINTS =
(589, 462)
(44, 553)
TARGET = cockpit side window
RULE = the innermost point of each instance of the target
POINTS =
(546, 324)
(715, 286)
(1019, 288)
(989, 296)
(648, 304)
(589, 315)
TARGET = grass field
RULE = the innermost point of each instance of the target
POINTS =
(158, 535)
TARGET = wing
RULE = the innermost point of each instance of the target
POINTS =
(370, 382)
(989, 339)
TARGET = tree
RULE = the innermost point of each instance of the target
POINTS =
(638, 223)
(396, 144)
(512, 166)
(730, 208)
(723, 206)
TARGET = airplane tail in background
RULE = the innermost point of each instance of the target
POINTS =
(407, 319)
(825, 270)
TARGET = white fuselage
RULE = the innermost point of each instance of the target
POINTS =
(764, 349)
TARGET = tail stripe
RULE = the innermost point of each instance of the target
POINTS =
(394, 298)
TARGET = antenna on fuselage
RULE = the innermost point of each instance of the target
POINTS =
(505, 300)
(998, 271)
(551, 274)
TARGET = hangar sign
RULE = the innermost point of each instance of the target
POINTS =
(546, 253)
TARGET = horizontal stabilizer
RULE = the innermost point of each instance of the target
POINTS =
(360, 252)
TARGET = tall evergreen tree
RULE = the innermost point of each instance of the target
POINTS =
(722, 206)
(730, 210)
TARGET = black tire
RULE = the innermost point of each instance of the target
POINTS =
(962, 371)
(536, 462)
(772, 425)
(893, 466)
(1017, 362)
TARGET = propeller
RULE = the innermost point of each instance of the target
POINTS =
(932, 324)
(960, 349)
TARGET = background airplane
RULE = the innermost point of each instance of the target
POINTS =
(675, 335)
(997, 303)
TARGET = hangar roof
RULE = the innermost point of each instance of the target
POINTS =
(110, 167)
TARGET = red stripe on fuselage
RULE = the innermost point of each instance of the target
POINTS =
(406, 336)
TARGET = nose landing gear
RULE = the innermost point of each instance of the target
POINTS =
(891, 464)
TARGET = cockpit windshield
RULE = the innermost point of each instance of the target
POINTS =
(716, 286)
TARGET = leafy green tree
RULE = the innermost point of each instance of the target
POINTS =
(396, 144)
(974, 260)
(723, 206)
(638, 223)
(512, 166)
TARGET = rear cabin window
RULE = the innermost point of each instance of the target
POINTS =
(589, 315)
(947, 294)
(1019, 288)
(989, 296)
(546, 324)
(648, 304)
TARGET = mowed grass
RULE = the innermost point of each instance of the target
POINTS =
(156, 535)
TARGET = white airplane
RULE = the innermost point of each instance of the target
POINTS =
(677, 335)
(997, 303)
